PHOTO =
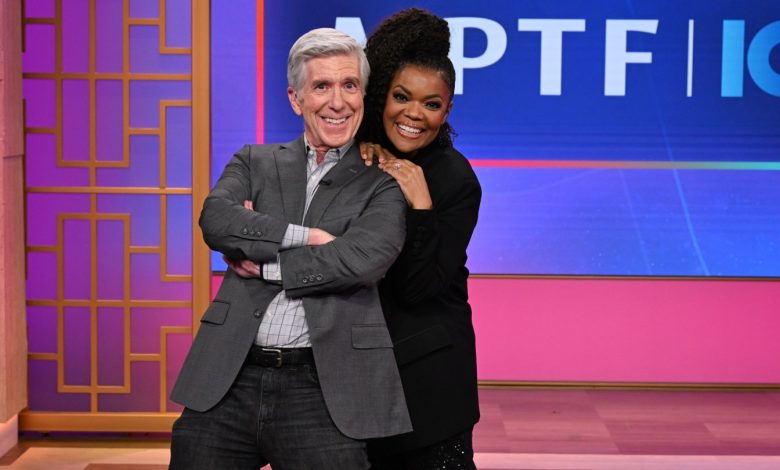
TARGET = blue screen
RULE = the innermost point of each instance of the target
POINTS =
(611, 138)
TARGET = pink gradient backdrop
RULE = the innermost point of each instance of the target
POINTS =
(606, 330)
(627, 330)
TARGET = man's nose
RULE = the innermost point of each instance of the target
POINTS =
(336, 99)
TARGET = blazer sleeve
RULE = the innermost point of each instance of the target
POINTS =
(436, 242)
(231, 229)
(359, 257)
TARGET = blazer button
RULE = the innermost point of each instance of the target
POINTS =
(305, 280)
(257, 313)
(245, 231)
(319, 277)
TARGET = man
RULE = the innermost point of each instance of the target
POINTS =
(293, 364)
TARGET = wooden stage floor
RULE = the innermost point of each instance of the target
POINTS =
(565, 429)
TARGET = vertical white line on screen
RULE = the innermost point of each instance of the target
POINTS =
(689, 92)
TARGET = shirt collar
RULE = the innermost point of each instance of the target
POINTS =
(337, 152)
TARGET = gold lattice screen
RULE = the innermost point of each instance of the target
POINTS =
(117, 142)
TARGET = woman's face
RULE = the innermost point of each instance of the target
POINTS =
(417, 104)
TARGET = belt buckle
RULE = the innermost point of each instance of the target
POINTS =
(278, 355)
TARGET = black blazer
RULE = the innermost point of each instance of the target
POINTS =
(425, 300)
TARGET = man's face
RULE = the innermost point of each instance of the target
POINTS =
(330, 100)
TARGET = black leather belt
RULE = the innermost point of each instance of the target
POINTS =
(275, 357)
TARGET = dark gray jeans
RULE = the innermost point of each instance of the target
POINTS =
(269, 415)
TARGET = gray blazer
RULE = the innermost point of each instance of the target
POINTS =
(365, 210)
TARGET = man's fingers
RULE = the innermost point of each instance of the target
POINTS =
(250, 266)
(244, 267)
(242, 272)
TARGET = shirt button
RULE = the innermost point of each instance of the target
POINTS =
(257, 313)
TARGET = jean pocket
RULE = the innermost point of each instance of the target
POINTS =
(310, 372)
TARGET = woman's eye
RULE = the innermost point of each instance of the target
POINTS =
(433, 105)
(400, 97)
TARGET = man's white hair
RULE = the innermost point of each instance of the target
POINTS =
(323, 42)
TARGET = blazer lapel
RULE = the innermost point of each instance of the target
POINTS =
(347, 168)
(291, 168)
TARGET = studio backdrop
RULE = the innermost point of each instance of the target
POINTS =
(611, 138)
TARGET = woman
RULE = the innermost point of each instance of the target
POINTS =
(424, 295)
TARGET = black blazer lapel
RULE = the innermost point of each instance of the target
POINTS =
(291, 168)
(347, 168)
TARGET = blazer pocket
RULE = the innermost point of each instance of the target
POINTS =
(216, 313)
(370, 337)
(421, 344)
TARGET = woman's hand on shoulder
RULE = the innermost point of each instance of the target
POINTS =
(411, 179)
(369, 151)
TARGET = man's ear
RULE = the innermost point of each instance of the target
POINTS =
(292, 95)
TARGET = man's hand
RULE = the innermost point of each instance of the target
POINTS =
(244, 268)
(319, 237)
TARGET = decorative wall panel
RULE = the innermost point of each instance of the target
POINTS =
(109, 178)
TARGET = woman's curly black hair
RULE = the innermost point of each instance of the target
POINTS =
(410, 37)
